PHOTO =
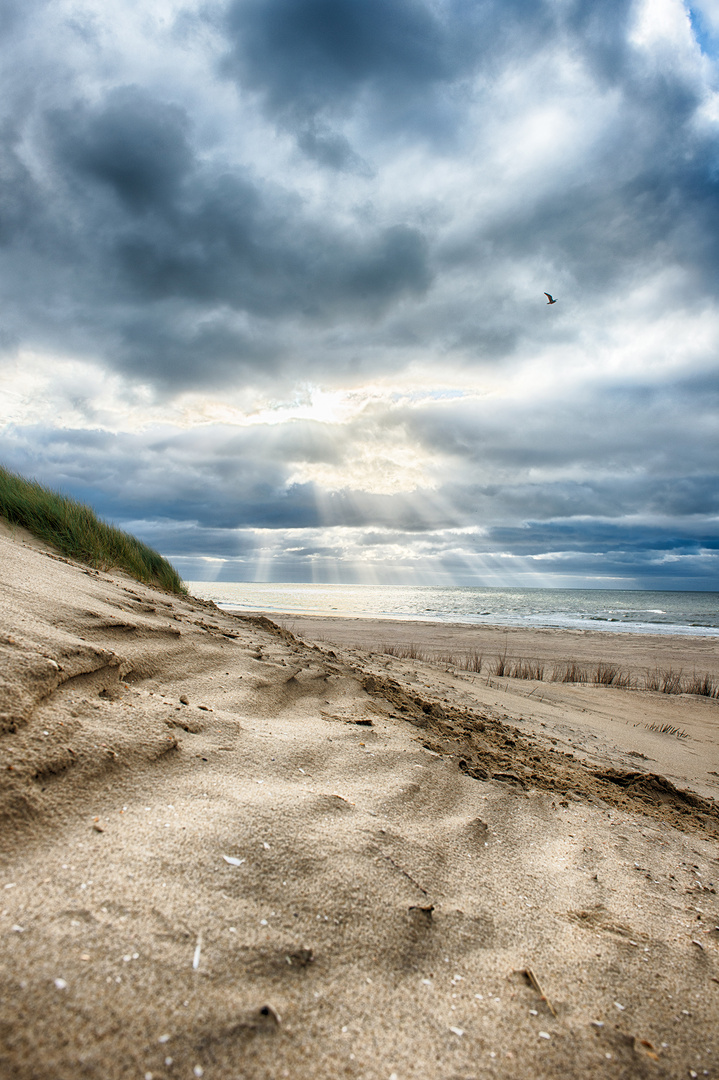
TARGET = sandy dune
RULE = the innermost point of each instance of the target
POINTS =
(331, 863)
(599, 724)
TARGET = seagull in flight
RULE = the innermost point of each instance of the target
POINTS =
(550, 298)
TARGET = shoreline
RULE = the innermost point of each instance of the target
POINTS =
(597, 626)
(660, 612)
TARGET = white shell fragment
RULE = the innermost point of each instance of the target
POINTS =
(232, 861)
(459, 1032)
(198, 952)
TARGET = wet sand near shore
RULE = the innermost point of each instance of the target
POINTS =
(231, 851)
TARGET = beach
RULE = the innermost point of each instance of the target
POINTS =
(597, 723)
(638, 652)
(240, 846)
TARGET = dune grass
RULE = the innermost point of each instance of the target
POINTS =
(471, 661)
(74, 530)
(666, 681)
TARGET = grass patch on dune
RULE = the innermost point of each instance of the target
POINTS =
(666, 681)
(471, 661)
(74, 530)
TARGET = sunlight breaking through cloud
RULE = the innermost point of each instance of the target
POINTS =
(277, 300)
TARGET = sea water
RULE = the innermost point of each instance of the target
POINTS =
(629, 611)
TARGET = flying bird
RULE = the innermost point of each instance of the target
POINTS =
(550, 299)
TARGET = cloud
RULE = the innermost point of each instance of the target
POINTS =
(317, 56)
(157, 257)
(330, 148)
(272, 274)
(134, 144)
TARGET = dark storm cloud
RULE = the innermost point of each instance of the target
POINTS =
(175, 346)
(221, 477)
(591, 536)
(274, 193)
(632, 436)
(130, 217)
(402, 60)
(231, 244)
(318, 55)
(625, 501)
(141, 226)
(203, 493)
(134, 144)
(167, 476)
(314, 58)
(19, 202)
(322, 50)
(229, 479)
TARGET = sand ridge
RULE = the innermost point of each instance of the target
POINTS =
(604, 726)
(228, 853)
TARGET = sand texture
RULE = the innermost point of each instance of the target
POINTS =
(233, 852)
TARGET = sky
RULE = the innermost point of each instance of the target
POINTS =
(272, 280)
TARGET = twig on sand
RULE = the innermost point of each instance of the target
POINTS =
(534, 983)
(402, 870)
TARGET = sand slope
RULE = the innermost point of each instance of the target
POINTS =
(380, 903)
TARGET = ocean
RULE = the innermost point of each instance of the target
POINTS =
(617, 610)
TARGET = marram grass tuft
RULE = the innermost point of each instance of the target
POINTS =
(74, 530)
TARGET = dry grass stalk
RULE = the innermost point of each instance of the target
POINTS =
(611, 675)
(703, 685)
(668, 729)
(605, 673)
(471, 661)
(671, 682)
(534, 983)
(500, 666)
(570, 672)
